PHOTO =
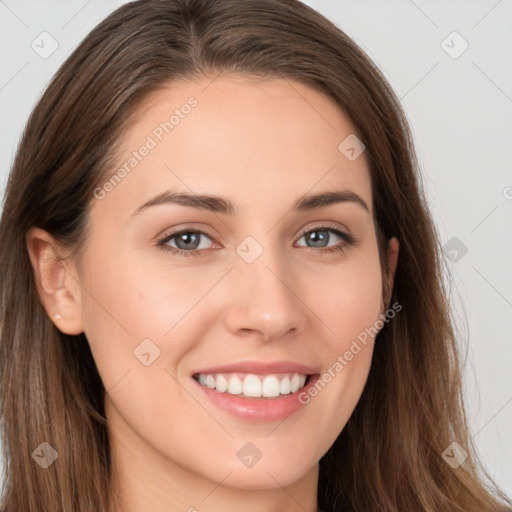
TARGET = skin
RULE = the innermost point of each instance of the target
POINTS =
(262, 144)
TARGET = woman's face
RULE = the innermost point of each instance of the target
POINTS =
(249, 303)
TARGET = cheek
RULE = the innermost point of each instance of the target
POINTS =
(352, 313)
(350, 300)
(124, 307)
(142, 319)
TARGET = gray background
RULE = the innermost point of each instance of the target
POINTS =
(459, 104)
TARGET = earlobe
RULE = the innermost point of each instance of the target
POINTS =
(58, 289)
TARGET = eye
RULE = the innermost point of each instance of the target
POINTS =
(187, 240)
(320, 235)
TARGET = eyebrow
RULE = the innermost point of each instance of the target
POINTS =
(218, 204)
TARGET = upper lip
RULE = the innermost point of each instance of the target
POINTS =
(261, 368)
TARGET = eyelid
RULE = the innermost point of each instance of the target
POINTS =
(187, 229)
(327, 225)
(348, 238)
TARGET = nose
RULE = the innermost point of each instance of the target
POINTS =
(266, 299)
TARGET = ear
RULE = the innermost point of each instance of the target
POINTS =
(56, 280)
(393, 247)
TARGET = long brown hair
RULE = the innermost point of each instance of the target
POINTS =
(389, 455)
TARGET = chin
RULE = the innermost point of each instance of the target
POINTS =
(275, 473)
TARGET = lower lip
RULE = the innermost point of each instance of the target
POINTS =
(258, 409)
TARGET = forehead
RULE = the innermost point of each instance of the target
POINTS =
(231, 135)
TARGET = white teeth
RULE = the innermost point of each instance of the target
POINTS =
(222, 383)
(295, 383)
(210, 381)
(235, 386)
(271, 386)
(252, 386)
(285, 386)
(256, 386)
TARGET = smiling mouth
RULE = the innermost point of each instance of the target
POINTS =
(251, 385)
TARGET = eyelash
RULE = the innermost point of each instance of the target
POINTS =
(349, 240)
